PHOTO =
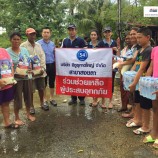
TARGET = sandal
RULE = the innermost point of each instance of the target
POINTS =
(148, 139)
(140, 131)
(155, 145)
(132, 124)
(131, 120)
(12, 126)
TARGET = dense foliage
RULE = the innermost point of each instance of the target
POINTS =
(86, 14)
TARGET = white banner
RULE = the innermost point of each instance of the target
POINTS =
(84, 72)
(96, 62)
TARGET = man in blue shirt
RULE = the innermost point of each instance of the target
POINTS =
(48, 48)
(74, 42)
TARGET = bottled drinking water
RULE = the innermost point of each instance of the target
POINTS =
(152, 96)
(141, 85)
(148, 85)
(128, 78)
(155, 87)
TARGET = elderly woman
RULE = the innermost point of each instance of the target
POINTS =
(20, 57)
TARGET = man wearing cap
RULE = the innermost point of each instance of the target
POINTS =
(107, 42)
(35, 49)
(74, 42)
(48, 48)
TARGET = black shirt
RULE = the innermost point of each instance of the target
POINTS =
(104, 44)
(145, 55)
(90, 45)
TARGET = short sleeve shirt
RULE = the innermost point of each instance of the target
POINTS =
(76, 43)
(15, 57)
(104, 44)
(4, 55)
(145, 55)
(154, 57)
(48, 48)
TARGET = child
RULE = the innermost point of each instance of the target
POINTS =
(153, 69)
(143, 105)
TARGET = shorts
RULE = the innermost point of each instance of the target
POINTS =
(131, 98)
(136, 97)
(23, 87)
(6, 95)
(39, 84)
(51, 73)
(145, 103)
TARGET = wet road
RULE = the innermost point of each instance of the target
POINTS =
(74, 132)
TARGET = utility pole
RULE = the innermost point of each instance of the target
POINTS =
(119, 20)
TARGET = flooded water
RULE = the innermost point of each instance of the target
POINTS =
(74, 132)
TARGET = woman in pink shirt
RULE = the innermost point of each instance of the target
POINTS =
(6, 89)
(153, 70)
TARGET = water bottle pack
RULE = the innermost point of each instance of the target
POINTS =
(147, 86)
(128, 78)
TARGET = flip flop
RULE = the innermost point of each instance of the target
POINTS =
(12, 126)
(155, 145)
(131, 124)
(148, 139)
(140, 131)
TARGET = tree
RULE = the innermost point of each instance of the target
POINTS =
(57, 14)
(20, 14)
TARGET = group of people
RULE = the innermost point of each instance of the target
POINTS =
(38, 58)
(33, 64)
(144, 63)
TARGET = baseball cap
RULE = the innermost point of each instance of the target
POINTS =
(73, 26)
(108, 28)
(30, 30)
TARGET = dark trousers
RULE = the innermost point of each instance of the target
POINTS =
(113, 80)
(74, 98)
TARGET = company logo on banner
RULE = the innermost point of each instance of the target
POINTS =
(84, 72)
(151, 11)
